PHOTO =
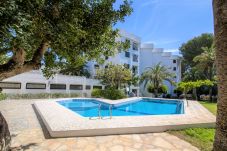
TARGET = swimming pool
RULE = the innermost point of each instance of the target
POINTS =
(137, 107)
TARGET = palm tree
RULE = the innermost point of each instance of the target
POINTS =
(206, 63)
(220, 30)
(156, 75)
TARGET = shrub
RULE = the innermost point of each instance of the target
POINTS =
(168, 96)
(162, 89)
(109, 93)
(96, 93)
(2, 96)
(113, 94)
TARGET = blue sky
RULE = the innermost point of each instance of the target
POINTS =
(169, 23)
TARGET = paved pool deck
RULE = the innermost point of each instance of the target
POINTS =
(29, 133)
(62, 122)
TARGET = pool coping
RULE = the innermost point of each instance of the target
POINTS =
(62, 122)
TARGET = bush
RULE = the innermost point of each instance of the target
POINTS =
(162, 89)
(97, 93)
(113, 94)
(2, 96)
(168, 96)
(109, 93)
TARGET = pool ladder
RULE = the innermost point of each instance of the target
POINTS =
(99, 111)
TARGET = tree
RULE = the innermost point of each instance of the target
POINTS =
(193, 85)
(155, 76)
(185, 87)
(206, 63)
(193, 48)
(52, 32)
(75, 70)
(114, 76)
(220, 30)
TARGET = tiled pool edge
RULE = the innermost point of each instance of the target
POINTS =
(125, 130)
(96, 128)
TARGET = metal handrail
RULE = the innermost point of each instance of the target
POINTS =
(99, 111)
(110, 110)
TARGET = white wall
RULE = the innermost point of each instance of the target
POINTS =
(120, 58)
(150, 56)
(37, 77)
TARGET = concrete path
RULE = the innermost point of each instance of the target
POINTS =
(29, 133)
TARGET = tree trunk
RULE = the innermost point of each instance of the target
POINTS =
(220, 28)
(195, 94)
(5, 138)
(156, 93)
(210, 94)
(18, 65)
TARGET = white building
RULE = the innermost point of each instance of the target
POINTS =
(129, 58)
(34, 82)
(137, 58)
(150, 56)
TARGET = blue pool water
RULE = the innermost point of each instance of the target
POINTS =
(139, 107)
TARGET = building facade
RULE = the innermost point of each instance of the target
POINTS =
(130, 58)
(34, 82)
(137, 58)
(150, 56)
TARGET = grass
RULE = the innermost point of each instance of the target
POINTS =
(202, 138)
(212, 107)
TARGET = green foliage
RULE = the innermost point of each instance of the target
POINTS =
(97, 93)
(109, 93)
(193, 48)
(114, 76)
(162, 89)
(75, 70)
(185, 87)
(74, 31)
(155, 76)
(113, 94)
(41, 96)
(2, 96)
(205, 62)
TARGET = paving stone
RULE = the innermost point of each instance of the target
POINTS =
(28, 134)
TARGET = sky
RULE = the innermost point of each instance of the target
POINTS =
(168, 23)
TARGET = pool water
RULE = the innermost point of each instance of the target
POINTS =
(138, 107)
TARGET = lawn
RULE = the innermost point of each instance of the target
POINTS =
(200, 137)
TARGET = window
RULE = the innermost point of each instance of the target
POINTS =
(58, 86)
(10, 85)
(97, 87)
(135, 46)
(135, 58)
(127, 66)
(96, 66)
(174, 61)
(127, 54)
(76, 87)
(106, 57)
(174, 68)
(134, 69)
(35, 86)
(106, 67)
(88, 87)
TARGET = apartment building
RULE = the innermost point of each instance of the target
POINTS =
(137, 58)
(150, 56)
(130, 58)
